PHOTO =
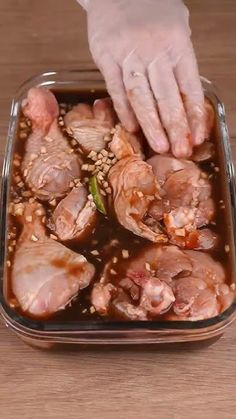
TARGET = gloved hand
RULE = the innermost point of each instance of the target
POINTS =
(144, 51)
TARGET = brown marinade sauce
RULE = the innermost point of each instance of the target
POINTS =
(108, 230)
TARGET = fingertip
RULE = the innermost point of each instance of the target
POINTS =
(182, 150)
(159, 145)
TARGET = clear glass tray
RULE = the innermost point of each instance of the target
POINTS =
(46, 334)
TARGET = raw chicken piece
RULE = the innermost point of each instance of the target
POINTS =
(125, 144)
(46, 276)
(163, 277)
(91, 126)
(204, 152)
(101, 296)
(186, 202)
(49, 164)
(74, 217)
(134, 189)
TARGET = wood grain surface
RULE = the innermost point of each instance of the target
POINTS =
(36, 36)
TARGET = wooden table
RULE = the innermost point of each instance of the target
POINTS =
(37, 36)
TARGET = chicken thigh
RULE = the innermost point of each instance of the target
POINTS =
(186, 204)
(49, 164)
(160, 278)
(46, 275)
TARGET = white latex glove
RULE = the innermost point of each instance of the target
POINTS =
(144, 51)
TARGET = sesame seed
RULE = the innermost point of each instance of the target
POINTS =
(100, 156)
(217, 169)
(103, 192)
(8, 263)
(148, 266)
(44, 220)
(140, 194)
(111, 154)
(39, 211)
(107, 138)
(90, 197)
(19, 211)
(105, 184)
(52, 236)
(113, 272)
(114, 160)
(86, 179)
(85, 167)
(43, 150)
(10, 249)
(29, 218)
(115, 260)
(227, 248)
(180, 232)
(104, 152)
(93, 205)
(77, 181)
(91, 167)
(20, 184)
(23, 125)
(94, 252)
(23, 135)
(232, 286)
(34, 238)
(108, 190)
(61, 123)
(125, 253)
(106, 168)
(31, 200)
(84, 310)
(92, 310)
(73, 143)
(13, 242)
(53, 202)
(71, 184)
(109, 161)
(16, 163)
(98, 162)
(92, 154)
(104, 159)
(25, 172)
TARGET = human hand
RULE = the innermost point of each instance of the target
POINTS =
(145, 54)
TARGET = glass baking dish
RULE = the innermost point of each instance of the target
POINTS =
(47, 334)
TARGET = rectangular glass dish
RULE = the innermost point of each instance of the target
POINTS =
(47, 333)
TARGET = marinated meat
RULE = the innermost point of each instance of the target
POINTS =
(134, 189)
(46, 275)
(125, 144)
(187, 204)
(91, 126)
(161, 277)
(128, 220)
(49, 164)
(74, 216)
